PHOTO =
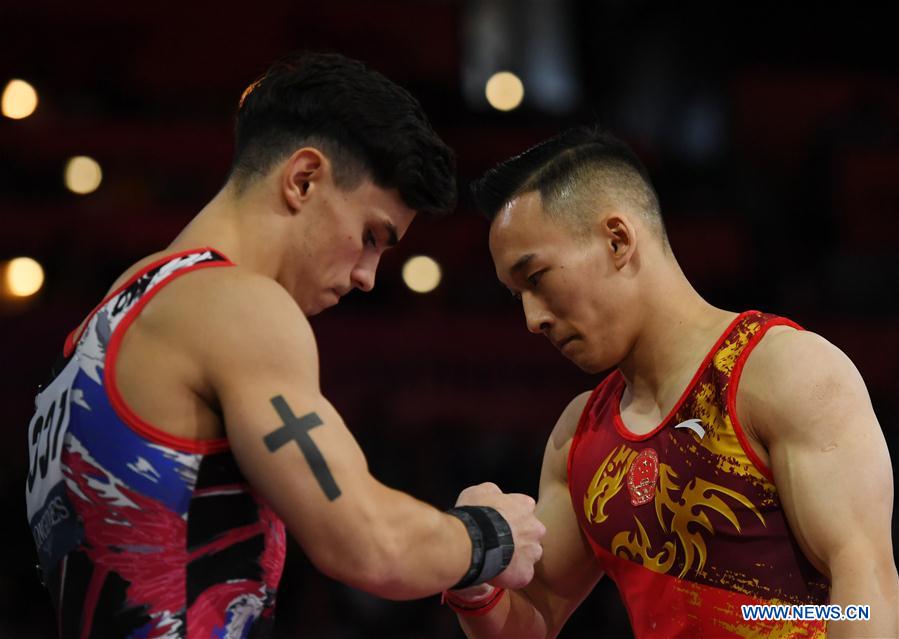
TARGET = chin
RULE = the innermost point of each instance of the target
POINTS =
(310, 310)
(591, 365)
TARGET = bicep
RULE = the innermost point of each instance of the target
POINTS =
(288, 440)
(828, 454)
(295, 450)
(568, 569)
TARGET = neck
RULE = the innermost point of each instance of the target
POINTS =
(678, 327)
(242, 226)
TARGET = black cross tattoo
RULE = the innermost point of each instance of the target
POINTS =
(297, 429)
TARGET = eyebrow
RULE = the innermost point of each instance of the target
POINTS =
(521, 263)
(392, 237)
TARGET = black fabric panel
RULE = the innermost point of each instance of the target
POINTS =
(112, 617)
(238, 561)
(262, 628)
(218, 469)
(212, 516)
(79, 569)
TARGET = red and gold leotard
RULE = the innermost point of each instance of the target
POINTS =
(686, 519)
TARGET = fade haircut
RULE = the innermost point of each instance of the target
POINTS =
(577, 173)
(366, 125)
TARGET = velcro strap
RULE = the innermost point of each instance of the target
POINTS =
(492, 545)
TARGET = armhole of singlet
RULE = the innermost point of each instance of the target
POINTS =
(73, 337)
(122, 409)
(732, 393)
(582, 422)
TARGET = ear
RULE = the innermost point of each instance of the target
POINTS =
(302, 173)
(619, 236)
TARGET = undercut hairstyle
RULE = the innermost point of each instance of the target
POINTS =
(577, 173)
(366, 125)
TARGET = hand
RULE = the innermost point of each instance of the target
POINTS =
(527, 531)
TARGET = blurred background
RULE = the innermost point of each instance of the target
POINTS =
(771, 133)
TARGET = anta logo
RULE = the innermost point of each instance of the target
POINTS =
(682, 511)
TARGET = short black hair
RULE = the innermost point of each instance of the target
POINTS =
(563, 168)
(367, 126)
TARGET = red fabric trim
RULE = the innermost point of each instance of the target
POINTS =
(69, 345)
(75, 335)
(226, 540)
(221, 489)
(582, 422)
(90, 600)
(459, 606)
(622, 428)
(732, 392)
(124, 411)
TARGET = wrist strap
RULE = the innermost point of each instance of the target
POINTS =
(492, 545)
(472, 608)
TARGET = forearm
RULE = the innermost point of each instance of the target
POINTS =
(875, 585)
(513, 617)
(399, 548)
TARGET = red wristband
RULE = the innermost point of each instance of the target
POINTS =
(474, 609)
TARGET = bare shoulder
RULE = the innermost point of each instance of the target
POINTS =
(568, 420)
(556, 454)
(793, 376)
(234, 293)
(789, 360)
(231, 314)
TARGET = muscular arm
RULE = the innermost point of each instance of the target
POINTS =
(567, 571)
(807, 403)
(296, 451)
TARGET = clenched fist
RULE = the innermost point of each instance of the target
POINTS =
(527, 531)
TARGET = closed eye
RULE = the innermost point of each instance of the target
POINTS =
(534, 278)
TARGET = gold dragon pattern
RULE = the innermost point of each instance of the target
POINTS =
(687, 505)
(607, 482)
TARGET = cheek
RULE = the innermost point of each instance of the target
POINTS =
(345, 248)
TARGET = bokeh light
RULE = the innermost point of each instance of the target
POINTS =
(19, 99)
(83, 175)
(23, 277)
(505, 91)
(421, 274)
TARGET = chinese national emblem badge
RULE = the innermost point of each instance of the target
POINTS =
(642, 476)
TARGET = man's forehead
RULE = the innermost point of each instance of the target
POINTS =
(519, 208)
(515, 223)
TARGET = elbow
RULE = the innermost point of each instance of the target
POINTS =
(383, 573)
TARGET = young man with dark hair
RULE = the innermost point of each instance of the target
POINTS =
(729, 460)
(186, 433)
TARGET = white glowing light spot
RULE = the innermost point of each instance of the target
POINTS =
(83, 175)
(24, 277)
(421, 274)
(505, 91)
(19, 100)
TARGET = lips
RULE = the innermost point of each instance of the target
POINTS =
(560, 344)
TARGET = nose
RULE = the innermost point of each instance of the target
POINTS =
(536, 315)
(363, 274)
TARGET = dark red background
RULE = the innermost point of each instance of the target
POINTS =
(772, 135)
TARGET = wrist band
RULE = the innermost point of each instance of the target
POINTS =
(473, 608)
(492, 545)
